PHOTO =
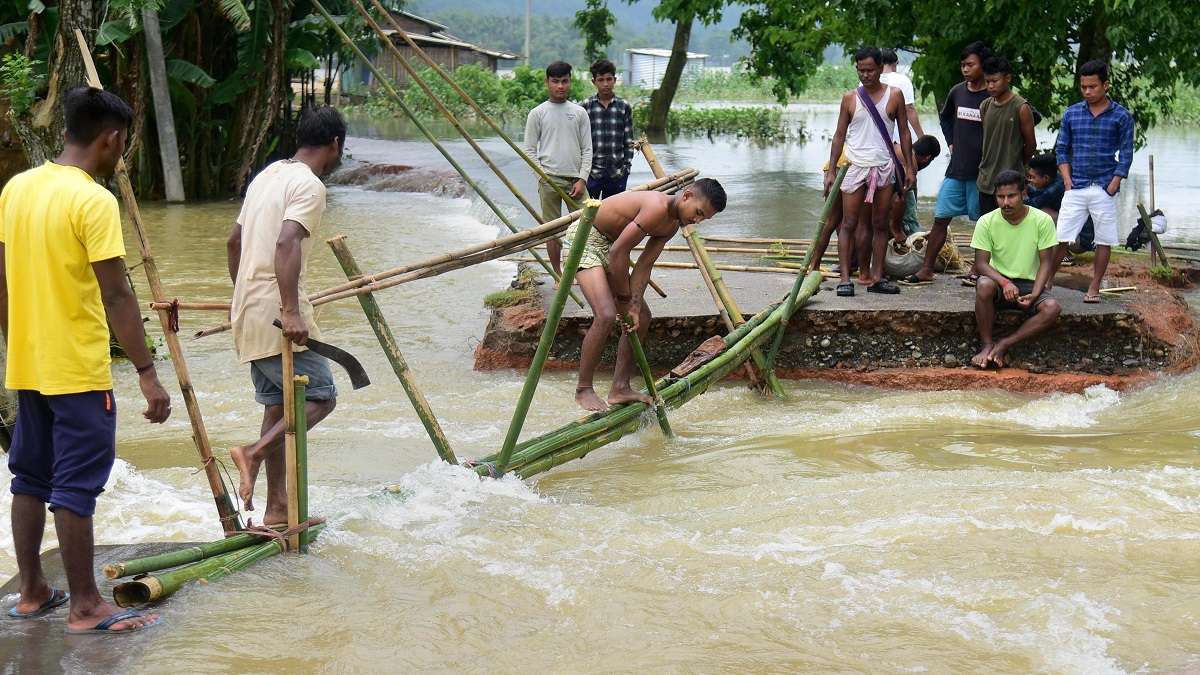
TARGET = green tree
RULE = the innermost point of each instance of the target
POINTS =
(1150, 44)
(595, 22)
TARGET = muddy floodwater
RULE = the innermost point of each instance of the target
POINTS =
(844, 530)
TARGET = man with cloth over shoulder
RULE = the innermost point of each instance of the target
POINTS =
(1014, 248)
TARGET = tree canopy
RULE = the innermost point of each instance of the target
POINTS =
(1150, 44)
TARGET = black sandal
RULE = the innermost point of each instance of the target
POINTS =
(884, 286)
(845, 290)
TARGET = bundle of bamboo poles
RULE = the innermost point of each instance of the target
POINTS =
(440, 264)
(584, 435)
(208, 562)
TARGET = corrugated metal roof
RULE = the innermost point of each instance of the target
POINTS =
(663, 52)
(447, 41)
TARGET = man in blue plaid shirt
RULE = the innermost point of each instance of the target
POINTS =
(1095, 153)
(612, 134)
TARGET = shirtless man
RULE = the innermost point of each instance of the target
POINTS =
(613, 290)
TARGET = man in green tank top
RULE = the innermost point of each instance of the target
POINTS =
(1008, 123)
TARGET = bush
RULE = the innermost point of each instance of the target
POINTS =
(481, 84)
(759, 124)
(18, 83)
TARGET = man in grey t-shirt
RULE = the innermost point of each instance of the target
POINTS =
(558, 137)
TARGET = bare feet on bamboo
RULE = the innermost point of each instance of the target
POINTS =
(620, 395)
(248, 466)
(588, 400)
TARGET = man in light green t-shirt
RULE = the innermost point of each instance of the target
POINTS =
(1014, 247)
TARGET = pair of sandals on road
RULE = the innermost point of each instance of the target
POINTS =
(846, 289)
(58, 598)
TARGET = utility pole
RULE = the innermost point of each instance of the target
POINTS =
(528, 27)
(168, 145)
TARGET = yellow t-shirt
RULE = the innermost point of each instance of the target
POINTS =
(285, 190)
(55, 221)
(1014, 248)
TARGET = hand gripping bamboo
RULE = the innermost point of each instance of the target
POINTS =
(228, 515)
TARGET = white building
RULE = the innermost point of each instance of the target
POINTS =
(645, 67)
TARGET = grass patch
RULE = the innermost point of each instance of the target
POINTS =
(758, 124)
(508, 298)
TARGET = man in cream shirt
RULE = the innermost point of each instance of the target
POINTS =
(268, 260)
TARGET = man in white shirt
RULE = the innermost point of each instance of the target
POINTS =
(558, 136)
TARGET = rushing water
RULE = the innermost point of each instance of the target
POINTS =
(847, 529)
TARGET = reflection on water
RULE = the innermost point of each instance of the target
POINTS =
(847, 529)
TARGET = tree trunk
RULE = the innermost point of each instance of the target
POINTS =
(660, 99)
(164, 117)
(1093, 38)
(41, 128)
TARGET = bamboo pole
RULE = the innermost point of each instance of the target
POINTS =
(300, 402)
(537, 169)
(1153, 251)
(179, 557)
(228, 515)
(790, 305)
(385, 83)
(660, 408)
(1154, 243)
(730, 315)
(392, 351)
(782, 268)
(446, 262)
(289, 442)
(549, 330)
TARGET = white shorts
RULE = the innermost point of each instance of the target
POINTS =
(1078, 205)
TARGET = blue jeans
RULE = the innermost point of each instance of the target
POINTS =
(599, 188)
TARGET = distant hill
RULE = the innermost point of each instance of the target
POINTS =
(500, 24)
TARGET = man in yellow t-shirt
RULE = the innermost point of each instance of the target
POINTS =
(1014, 247)
(268, 261)
(62, 284)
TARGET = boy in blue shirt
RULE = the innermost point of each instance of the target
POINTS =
(1095, 153)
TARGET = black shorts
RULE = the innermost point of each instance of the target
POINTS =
(1024, 287)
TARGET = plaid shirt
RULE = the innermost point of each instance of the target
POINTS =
(1097, 147)
(612, 133)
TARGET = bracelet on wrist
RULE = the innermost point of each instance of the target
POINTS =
(145, 368)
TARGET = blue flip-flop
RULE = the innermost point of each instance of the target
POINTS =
(105, 626)
(57, 599)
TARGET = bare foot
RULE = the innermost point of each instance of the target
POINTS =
(275, 516)
(925, 277)
(78, 621)
(864, 281)
(32, 602)
(996, 356)
(248, 468)
(624, 395)
(982, 359)
(588, 400)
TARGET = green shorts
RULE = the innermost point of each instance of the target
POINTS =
(595, 249)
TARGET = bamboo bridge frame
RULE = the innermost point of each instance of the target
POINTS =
(743, 345)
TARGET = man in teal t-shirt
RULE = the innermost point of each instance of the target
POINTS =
(1014, 247)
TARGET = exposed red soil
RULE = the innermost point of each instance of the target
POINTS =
(940, 379)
